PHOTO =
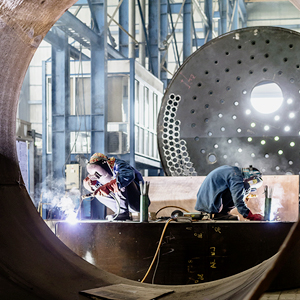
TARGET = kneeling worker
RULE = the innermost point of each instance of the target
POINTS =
(227, 187)
(115, 183)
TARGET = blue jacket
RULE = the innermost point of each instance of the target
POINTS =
(128, 179)
(216, 182)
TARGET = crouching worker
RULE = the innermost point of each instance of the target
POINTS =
(227, 187)
(114, 183)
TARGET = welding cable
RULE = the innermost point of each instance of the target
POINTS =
(119, 206)
(157, 250)
(167, 206)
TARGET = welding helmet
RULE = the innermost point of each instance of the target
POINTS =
(98, 157)
(253, 177)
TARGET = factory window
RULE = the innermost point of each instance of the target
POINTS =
(80, 142)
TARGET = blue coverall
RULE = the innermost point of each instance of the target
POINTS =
(224, 185)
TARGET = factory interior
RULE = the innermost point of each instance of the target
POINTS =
(173, 90)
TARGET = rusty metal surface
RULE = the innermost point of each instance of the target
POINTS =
(190, 253)
(203, 121)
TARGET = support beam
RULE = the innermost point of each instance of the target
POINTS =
(154, 35)
(208, 28)
(99, 84)
(123, 21)
(60, 107)
(187, 29)
(142, 32)
(52, 39)
(132, 113)
(223, 9)
(163, 41)
(131, 29)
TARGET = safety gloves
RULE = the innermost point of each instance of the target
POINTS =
(105, 189)
(254, 217)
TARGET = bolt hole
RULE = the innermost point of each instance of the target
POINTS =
(250, 72)
(252, 57)
(266, 55)
(217, 80)
(226, 70)
(253, 42)
(194, 97)
(238, 78)
(265, 69)
(291, 46)
(267, 41)
(239, 62)
(199, 84)
(206, 72)
(285, 59)
(226, 53)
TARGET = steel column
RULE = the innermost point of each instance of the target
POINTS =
(60, 107)
(142, 44)
(223, 6)
(154, 35)
(163, 41)
(98, 84)
(131, 30)
(132, 113)
(187, 29)
(208, 28)
(123, 20)
(235, 16)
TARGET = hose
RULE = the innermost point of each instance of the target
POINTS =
(157, 250)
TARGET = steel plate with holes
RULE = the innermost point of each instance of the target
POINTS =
(208, 117)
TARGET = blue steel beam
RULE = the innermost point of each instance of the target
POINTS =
(52, 39)
(60, 107)
(123, 21)
(132, 113)
(187, 29)
(208, 12)
(173, 33)
(223, 6)
(154, 35)
(99, 84)
(163, 37)
(146, 36)
(83, 34)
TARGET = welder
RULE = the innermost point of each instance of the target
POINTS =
(227, 187)
(115, 183)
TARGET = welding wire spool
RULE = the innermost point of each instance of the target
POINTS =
(157, 250)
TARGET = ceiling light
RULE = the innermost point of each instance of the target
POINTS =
(267, 127)
(229, 141)
(292, 144)
(289, 101)
(252, 155)
(276, 118)
(263, 142)
(248, 112)
(276, 138)
(240, 150)
(280, 152)
(239, 130)
(253, 125)
(287, 128)
(249, 139)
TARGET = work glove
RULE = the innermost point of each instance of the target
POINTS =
(254, 217)
(105, 189)
(90, 184)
